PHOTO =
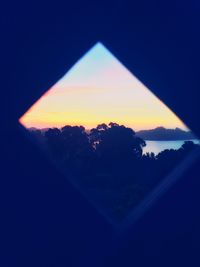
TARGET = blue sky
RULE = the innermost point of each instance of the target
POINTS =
(98, 88)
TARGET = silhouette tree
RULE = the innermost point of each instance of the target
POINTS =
(70, 146)
(108, 162)
(115, 142)
(54, 143)
(188, 146)
(76, 145)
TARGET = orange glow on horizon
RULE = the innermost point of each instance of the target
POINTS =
(99, 89)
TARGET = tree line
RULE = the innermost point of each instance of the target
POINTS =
(108, 163)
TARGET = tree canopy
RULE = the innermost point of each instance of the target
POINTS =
(108, 163)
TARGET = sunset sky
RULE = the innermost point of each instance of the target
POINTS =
(98, 88)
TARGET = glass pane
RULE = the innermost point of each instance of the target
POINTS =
(111, 136)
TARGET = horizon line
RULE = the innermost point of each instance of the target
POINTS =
(142, 129)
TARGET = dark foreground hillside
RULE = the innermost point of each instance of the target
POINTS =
(108, 164)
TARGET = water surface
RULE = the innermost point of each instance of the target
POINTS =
(158, 146)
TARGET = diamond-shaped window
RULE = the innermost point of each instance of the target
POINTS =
(111, 136)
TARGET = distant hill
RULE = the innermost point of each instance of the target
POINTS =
(33, 129)
(163, 134)
(157, 134)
